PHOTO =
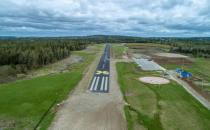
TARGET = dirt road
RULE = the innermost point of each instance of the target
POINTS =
(84, 110)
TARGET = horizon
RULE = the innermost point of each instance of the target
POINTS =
(22, 36)
(100, 35)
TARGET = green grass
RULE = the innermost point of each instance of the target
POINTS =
(23, 103)
(153, 107)
(118, 50)
(200, 68)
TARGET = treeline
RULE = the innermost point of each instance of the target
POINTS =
(196, 51)
(33, 53)
(196, 47)
(112, 39)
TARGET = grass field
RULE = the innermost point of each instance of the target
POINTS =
(23, 103)
(165, 107)
(118, 50)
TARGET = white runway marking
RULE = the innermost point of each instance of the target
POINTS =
(96, 85)
(93, 82)
(106, 83)
(102, 84)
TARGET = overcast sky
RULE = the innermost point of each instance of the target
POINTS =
(109, 17)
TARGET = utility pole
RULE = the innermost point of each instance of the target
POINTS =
(182, 63)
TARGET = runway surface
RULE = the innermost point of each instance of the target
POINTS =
(100, 80)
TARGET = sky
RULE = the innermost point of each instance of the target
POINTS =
(144, 18)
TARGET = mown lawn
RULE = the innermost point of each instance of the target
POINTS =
(164, 107)
(23, 103)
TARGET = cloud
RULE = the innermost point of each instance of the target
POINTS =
(87, 17)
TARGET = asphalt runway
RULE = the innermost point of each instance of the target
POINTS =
(100, 80)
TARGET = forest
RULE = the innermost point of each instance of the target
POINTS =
(32, 53)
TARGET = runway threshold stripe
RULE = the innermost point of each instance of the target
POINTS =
(102, 84)
(96, 85)
(93, 82)
(106, 83)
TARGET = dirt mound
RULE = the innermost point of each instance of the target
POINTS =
(171, 55)
(154, 80)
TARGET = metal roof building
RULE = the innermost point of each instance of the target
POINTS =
(183, 73)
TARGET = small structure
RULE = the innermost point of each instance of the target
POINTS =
(183, 73)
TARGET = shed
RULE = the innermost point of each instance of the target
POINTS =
(183, 73)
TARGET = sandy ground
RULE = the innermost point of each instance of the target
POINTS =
(154, 80)
(171, 55)
(84, 110)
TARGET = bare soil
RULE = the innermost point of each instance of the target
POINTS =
(171, 55)
(159, 55)
(202, 92)
(84, 110)
(167, 60)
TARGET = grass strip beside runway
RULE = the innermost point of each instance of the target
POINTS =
(23, 103)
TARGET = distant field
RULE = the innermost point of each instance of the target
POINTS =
(23, 103)
(153, 107)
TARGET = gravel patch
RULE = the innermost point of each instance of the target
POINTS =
(154, 80)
